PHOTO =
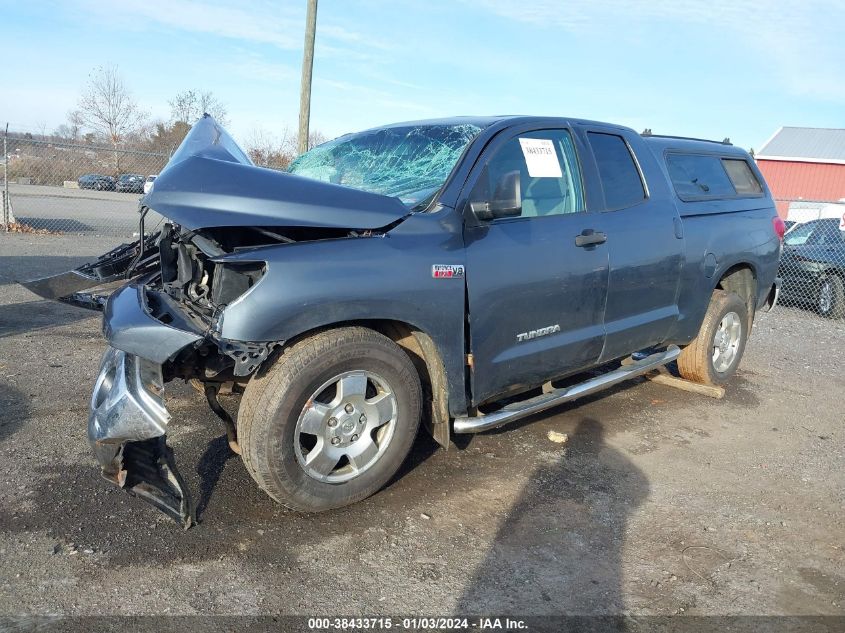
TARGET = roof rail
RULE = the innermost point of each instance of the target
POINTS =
(648, 132)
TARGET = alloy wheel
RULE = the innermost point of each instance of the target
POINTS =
(726, 342)
(825, 298)
(345, 426)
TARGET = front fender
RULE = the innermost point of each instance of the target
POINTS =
(310, 285)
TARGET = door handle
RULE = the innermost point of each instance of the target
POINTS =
(589, 237)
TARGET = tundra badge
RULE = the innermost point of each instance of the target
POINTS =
(527, 336)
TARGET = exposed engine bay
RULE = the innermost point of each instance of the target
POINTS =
(186, 285)
(195, 298)
(164, 297)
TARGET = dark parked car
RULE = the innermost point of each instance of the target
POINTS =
(96, 181)
(813, 266)
(443, 272)
(130, 183)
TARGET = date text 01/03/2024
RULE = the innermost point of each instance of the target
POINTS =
(417, 623)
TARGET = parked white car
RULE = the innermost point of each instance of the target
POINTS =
(148, 183)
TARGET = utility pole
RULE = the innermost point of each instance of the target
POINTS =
(6, 213)
(307, 68)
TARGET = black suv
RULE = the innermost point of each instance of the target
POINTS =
(812, 267)
(130, 183)
(96, 181)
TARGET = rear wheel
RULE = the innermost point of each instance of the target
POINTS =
(831, 298)
(714, 355)
(331, 420)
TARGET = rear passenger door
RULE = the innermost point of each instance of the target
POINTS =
(644, 241)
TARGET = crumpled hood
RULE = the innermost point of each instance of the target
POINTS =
(210, 182)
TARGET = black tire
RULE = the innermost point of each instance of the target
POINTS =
(696, 362)
(275, 398)
(833, 304)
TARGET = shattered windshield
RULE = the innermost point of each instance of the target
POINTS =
(410, 162)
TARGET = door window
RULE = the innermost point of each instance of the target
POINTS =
(828, 234)
(799, 235)
(620, 178)
(743, 179)
(550, 180)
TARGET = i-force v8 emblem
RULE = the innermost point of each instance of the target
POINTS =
(447, 271)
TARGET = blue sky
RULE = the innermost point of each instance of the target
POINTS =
(738, 68)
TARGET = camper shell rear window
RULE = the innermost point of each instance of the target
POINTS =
(711, 177)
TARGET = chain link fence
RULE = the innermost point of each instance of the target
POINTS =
(60, 187)
(812, 266)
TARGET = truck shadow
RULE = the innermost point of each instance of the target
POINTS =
(209, 469)
(15, 407)
(18, 268)
(217, 454)
(424, 447)
(571, 516)
(31, 316)
(37, 314)
(559, 549)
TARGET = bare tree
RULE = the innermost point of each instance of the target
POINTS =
(63, 133)
(75, 122)
(70, 131)
(316, 138)
(106, 107)
(166, 137)
(268, 150)
(190, 105)
(277, 152)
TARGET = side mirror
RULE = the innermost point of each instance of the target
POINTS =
(506, 202)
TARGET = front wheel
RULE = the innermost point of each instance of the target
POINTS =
(331, 420)
(831, 298)
(714, 355)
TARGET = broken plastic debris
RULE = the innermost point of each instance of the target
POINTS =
(558, 438)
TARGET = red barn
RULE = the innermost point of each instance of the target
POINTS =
(804, 164)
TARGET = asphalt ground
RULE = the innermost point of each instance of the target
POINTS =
(78, 211)
(659, 502)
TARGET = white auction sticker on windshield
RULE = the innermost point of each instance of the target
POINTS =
(540, 158)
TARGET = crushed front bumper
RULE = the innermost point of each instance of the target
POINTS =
(127, 424)
(129, 326)
(90, 285)
(126, 428)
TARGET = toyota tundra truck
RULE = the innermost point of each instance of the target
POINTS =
(455, 274)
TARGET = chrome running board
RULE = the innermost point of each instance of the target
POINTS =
(517, 410)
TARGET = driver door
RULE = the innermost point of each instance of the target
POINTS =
(537, 281)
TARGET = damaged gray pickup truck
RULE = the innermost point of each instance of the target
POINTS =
(462, 273)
